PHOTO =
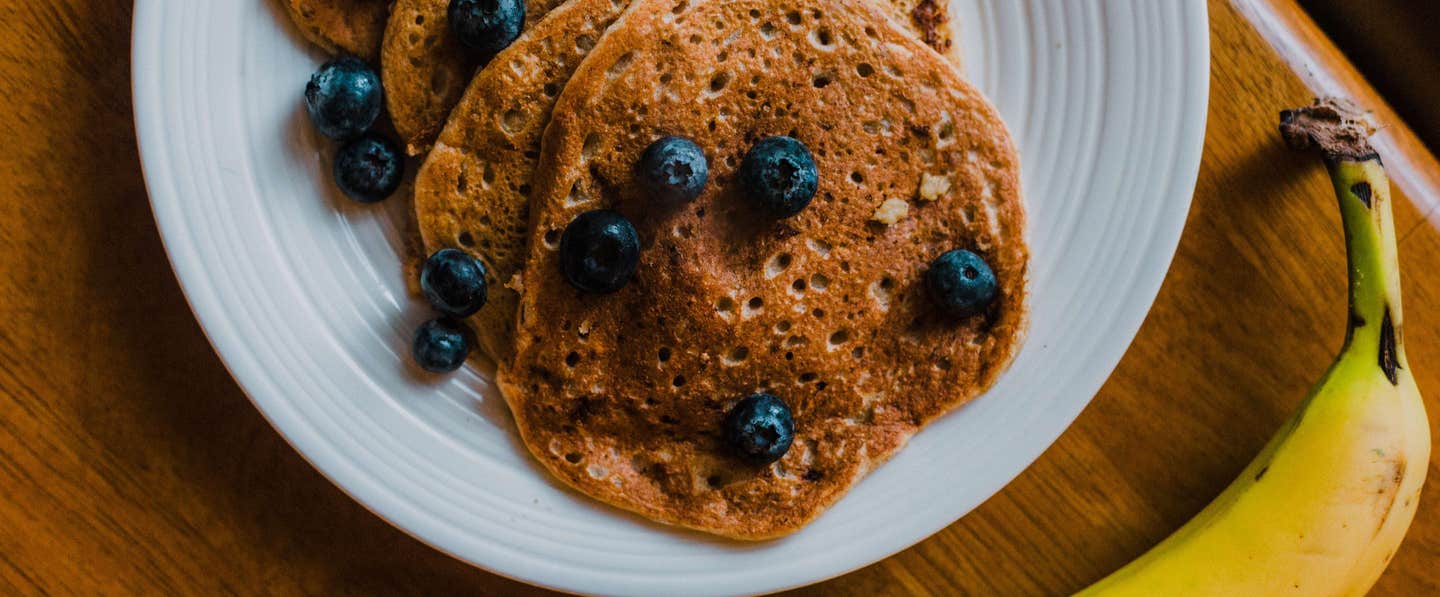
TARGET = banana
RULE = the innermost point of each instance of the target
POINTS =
(1324, 506)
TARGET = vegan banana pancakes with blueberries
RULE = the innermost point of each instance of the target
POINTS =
(727, 255)
(853, 266)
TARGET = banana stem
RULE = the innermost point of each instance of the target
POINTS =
(1363, 191)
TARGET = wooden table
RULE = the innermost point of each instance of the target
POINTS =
(130, 462)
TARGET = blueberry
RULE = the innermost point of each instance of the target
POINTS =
(759, 429)
(486, 26)
(599, 251)
(369, 168)
(454, 283)
(441, 345)
(344, 98)
(961, 283)
(779, 175)
(673, 169)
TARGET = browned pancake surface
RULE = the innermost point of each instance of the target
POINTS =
(622, 396)
(426, 70)
(348, 26)
(494, 134)
(472, 191)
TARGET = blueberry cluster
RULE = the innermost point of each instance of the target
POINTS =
(600, 250)
(454, 284)
(344, 99)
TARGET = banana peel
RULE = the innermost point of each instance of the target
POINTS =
(1323, 507)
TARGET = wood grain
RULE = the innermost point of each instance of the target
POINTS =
(131, 463)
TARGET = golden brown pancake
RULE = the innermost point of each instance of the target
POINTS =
(342, 26)
(471, 192)
(426, 70)
(621, 396)
(495, 130)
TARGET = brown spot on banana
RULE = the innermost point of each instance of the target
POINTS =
(1362, 191)
(1388, 362)
(1389, 492)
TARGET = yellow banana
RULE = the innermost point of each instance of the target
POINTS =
(1325, 505)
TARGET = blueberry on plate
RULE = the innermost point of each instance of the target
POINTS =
(486, 26)
(673, 169)
(344, 98)
(369, 168)
(759, 429)
(779, 175)
(454, 283)
(441, 345)
(599, 251)
(961, 283)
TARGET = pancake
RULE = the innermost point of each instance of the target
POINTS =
(490, 220)
(470, 193)
(425, 70)
(621, 396)
(342, 26)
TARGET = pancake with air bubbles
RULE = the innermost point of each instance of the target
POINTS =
(342, 26)
(426, 70)
(472, 191)
(621, 396)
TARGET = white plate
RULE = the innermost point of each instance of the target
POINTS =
(302, 295)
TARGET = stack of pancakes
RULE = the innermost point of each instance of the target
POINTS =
(621, 396)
